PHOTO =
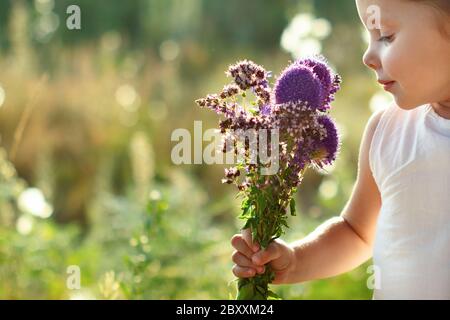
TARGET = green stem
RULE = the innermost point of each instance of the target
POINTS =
(265, 222)
(256, 288)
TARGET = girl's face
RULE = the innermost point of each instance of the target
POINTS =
(408, 48)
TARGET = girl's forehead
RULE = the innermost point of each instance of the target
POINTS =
(386, 6)
(386, 12)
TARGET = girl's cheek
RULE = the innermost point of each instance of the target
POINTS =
(390, 65)
(394, 60)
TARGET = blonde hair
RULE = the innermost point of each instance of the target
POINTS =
(442, 5)
(442, 8)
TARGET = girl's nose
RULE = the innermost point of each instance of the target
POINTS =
(371, 60)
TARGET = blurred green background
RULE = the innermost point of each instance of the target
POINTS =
(86, 116)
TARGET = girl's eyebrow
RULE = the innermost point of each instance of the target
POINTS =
(388, 22)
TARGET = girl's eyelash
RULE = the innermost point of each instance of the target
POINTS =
(386, 38)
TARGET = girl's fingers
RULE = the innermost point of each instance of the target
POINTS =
(247, 234)
(243, 272)
(240, 245)
(264, 256)
(243, 261)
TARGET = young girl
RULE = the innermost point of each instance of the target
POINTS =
(399, 209)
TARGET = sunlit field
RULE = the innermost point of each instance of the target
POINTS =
(87, 184)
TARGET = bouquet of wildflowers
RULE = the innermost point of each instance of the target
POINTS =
(276, 137)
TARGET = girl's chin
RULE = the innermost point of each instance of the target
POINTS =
(406, 105)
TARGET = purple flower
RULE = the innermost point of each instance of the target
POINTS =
(265, 109)
(298, 83)
(330, 81)
(309, 80)
(247, 74)
(319, 145)
(327, 149)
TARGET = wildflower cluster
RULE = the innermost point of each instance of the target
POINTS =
(303, 135)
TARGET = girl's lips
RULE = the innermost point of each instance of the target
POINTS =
(386, 84)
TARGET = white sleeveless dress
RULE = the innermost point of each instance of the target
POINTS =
(410, 161)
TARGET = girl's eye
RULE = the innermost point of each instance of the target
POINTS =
(386, 38)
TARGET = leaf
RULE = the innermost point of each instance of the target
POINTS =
(261, 202)
(245, 292)
(245, 204)
(273, 296)
(242, 282)
(260, 289)
(248, 224)
(274, 238)
(292, 206)
(246, 212)
(258, 296)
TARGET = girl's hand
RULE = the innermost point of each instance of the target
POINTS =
(249, 259)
